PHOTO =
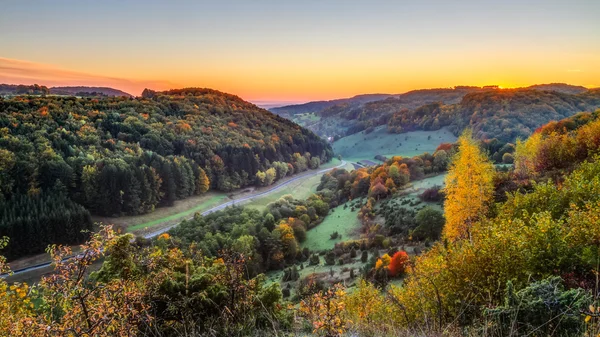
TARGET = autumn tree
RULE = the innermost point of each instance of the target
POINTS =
(398, 263)
(525, 156)
(203, 183)
(469, 188)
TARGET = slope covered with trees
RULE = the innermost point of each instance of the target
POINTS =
(524, 264)
(503, 114)
(117, 155)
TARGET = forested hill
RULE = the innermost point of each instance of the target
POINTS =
(91, 91)
(317, 106)
(117, 155)
(19, 89)
(504, 114)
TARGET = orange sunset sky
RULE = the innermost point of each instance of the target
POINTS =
(284, 51)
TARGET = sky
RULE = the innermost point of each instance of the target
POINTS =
(268, 51)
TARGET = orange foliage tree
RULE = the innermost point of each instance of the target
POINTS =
(398, 263)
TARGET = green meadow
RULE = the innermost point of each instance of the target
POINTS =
(361, 146)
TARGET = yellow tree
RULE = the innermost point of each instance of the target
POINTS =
(469, 188)
(203, 183)
(526, 155)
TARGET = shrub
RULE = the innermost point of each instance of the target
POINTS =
(398, 263)
(364, 256)
(433, 194)
(534, 309)
(330, 258)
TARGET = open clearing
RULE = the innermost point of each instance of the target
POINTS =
(305, 118)
(344, 221)
(361, 146)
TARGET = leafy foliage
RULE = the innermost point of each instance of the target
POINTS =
(122, 156)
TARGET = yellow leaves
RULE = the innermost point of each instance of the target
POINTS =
(325, 312)
(469, 188)
(383, 262)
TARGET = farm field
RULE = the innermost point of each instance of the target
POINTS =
(361, 146)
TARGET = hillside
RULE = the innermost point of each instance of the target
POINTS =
(117, 156)
(316, 106)
(345, 119)
(82, 91)
(560, 87)
(505, 114)
(19, 89)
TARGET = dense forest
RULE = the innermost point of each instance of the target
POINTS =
(516, 254)
(117, 155)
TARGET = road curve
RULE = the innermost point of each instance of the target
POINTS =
(208, 211)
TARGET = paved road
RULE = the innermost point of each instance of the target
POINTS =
(208, 211)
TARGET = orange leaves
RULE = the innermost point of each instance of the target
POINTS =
(43, 111)
(398, 263)
(183, 127)
(383, 262)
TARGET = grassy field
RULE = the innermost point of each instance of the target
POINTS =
(203, 205)
(305, 118)
(167, 215)
(361, 146)
(344, 221)
(300, 189)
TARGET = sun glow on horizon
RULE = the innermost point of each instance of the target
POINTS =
(294, 52)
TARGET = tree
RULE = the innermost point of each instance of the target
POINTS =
(469, 188)
(430, 223)
(378, 191)
(203, 183)
(398, 263)
(270, 176)
(260, 178)
(526, 154)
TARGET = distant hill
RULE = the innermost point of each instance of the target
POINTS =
(346, 119)
(19, 89)
(316, 106)
(430, 109)
(560, 87)
(99, 91)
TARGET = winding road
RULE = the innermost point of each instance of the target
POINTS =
(208, 211)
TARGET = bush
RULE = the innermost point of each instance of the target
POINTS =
(534, 309)
(330, 258)
(433, 194)
(398, 263)
(430, 223)
(314, 260)
(364, 256)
